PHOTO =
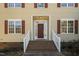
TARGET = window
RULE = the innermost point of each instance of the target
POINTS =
(67, 4)
(71, 5)
(70, 26)
(10, 4)
(40, 5)
(18, 4)
(63, 26)
(18, 26)
(67, 26)
(15, 26)
(11, 26)
(64, 4)
(14, 5)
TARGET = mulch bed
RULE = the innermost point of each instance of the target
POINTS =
(12, 53)
(70, 48)
(11, 49)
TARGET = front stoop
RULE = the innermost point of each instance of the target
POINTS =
(41, 48)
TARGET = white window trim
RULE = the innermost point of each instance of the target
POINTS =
(15, 6)
(67, 25)
(14, 25)
(68, 6)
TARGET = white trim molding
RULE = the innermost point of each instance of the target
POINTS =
(49, 26)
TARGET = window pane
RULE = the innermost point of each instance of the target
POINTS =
(15, 26)
(40, 5)
(64, 27)
(67, 4)
(70, 4)
(64, 4)
(11, 26)
(18, 26)
(10, 4)
(70, 26)
(17, 4)
(11, 30)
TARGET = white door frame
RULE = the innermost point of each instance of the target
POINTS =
(49, 26)
(35, 29)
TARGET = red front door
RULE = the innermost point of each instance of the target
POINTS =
(40, 30)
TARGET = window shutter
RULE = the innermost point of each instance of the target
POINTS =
(6, 27)
(76, 4)
(58, 4)
(23, 5)
(35, 5)
(76, 26)
(58, 26)
(46, 5)
(23, 27)
(6, 5)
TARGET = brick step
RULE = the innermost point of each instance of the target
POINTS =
(35, 53)
(41, 46)
(33, 43)
(40, 42)
(40, 50)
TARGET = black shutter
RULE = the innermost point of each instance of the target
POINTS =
(58, 4)
(46, 5)
(76, 4)
(6, 27)
(23, 27)
(76, 26)
(23, 5)
(6, 5)
(58, 26)
(35, 5)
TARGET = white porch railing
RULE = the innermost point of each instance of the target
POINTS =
(26, 41)
(57, 41)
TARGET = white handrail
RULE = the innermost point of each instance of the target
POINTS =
(26, 41)
(57, 41)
